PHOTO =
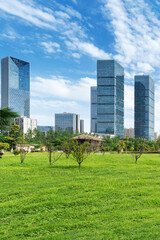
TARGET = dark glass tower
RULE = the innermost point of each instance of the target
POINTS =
(110, 98)
(94, 109)
(70, 121)
(15, 85)
(144, 107)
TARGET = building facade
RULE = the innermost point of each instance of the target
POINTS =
(110, 98)
(26, 123)
(81, 126)
(70, 121)
(45, 128)
(93, 101)
(144, 107)
(15, 85)
(129, 132)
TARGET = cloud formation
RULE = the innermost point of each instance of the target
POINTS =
(136, 30)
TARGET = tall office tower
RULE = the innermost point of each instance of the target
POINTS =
(15, 85)
(144, 107)
(64, 121)
(81, 126)
(110, 98)
(93, 109)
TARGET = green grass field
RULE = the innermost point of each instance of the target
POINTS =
(109, 198)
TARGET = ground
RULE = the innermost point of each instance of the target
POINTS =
(109, 198)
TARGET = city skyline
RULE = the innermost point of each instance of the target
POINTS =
(63, 42)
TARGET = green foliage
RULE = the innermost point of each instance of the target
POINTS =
(6, 118)
(4, 146)
(80, 151)
(67, 148)
(16, 152)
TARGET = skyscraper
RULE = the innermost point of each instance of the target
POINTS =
(70, 121)
(144, 107)
(93, 109)
(110, 98)
(15, 85)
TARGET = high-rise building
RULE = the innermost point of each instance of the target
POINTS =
(110, 98)
(26, 123)
(144, 107)
(93, 100)
(70, 121)
(129, 132)
(81, 126)
(15, 85)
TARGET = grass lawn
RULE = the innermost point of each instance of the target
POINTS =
(109, 198)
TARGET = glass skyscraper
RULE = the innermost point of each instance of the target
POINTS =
(94, 109)
(70, 121)
(144, 107)
(15, 85)
(110, 98)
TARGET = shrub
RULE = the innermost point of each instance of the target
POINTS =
(16, 152)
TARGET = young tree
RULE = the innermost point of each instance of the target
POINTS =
(67, 148)
(142, 148)
(80, 151)
(49, 143)
(23, 150)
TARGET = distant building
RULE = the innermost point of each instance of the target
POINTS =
(77, 122)
(144, 107)
(110, 98)
(129, 132)
(45, 128)
(26, 123)
(155, 136)
(93, 100)
(15, 85)
(81, 126)
(70, 121)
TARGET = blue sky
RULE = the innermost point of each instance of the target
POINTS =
(63, 40)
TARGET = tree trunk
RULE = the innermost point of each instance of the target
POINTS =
(50, 156)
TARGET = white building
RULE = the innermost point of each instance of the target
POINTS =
(155, 136)
(26, 123)
(129, 132)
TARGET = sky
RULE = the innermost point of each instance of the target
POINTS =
(63, 40)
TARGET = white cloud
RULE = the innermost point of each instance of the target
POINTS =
(74, 1)
(11, 34)
(51, 47)
(60, 88)
(137, 34)
(57, 94)
(76, 55)
(87, 49)
(65, 22)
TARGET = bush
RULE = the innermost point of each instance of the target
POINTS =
(16, 152)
